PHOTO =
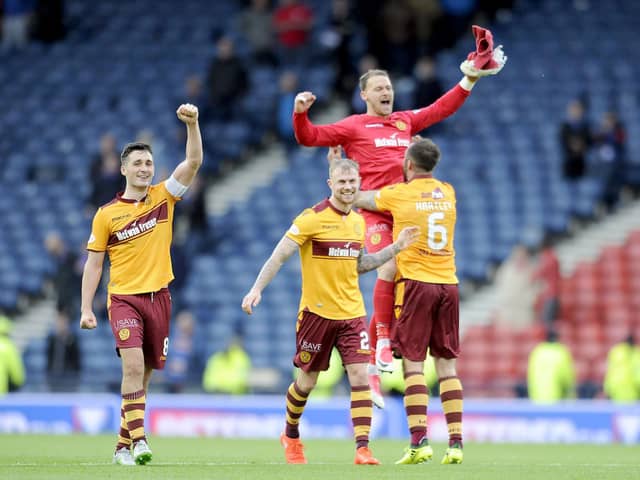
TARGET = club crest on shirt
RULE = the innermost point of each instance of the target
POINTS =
(375, 238)
(357, 229)
(400, 125)
(305, 357)
(124, 334)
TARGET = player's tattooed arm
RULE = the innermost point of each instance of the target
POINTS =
(406, 237)
(366, 200)
(371, 261)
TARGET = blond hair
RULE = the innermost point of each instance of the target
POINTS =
(343, 164)
(371, 73)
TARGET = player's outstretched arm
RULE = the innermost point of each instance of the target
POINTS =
(91, 276)
(285, 248)
(186, 171)
(370, 261)
(366, 199)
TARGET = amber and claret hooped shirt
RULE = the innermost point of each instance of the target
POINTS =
(330, 243)
(137, 237)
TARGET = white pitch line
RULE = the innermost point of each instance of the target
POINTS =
(178, 464)
(230, 464)
(608, 465)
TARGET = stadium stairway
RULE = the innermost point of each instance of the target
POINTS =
(586, 245)
(33, 323)
(495, 355)
(237, 186)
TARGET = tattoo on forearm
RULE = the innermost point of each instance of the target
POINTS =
(366, 200)
(372, 261)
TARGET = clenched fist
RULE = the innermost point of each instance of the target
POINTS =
(187, 113)
(88, 320)
(303, 101)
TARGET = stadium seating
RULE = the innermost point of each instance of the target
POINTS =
(599, 306)
(500, 150)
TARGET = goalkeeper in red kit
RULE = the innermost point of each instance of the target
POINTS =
(377, 141)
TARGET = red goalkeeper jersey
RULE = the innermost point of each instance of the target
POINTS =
(378, 143)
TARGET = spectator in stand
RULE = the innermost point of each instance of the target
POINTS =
(428, 87)
(516, 291)
(49, 24)
(547, 275)
(365, 64)
(226, 81)
(191, 219)
(575, 139)
(397, 52)
(11, 366)
(288, 89)
(453, 23)
(622, 380)
(551, 375)
(105, 173)
(183, 354)
(67, 275)
(193, 93)
(609, 142)
(337, 38)
(63, 355)
(292, 22)
(425, 13)
(15, 23)
(228, 371)
(255, 23)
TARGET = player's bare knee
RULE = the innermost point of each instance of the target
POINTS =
(357, 375)
(307, 381)
(445, 367)
(133, 371)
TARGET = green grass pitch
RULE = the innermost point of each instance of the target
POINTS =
(89, 457)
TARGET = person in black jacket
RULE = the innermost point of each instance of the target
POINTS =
(63, 356)
(575, 140)
(227, 81)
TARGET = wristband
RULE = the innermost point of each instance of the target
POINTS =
(466, 84)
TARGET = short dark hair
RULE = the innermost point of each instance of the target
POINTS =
(371, 73)
(425, 154)
(132, 147)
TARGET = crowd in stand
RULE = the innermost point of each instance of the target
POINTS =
(402, 36)
(590, 150)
